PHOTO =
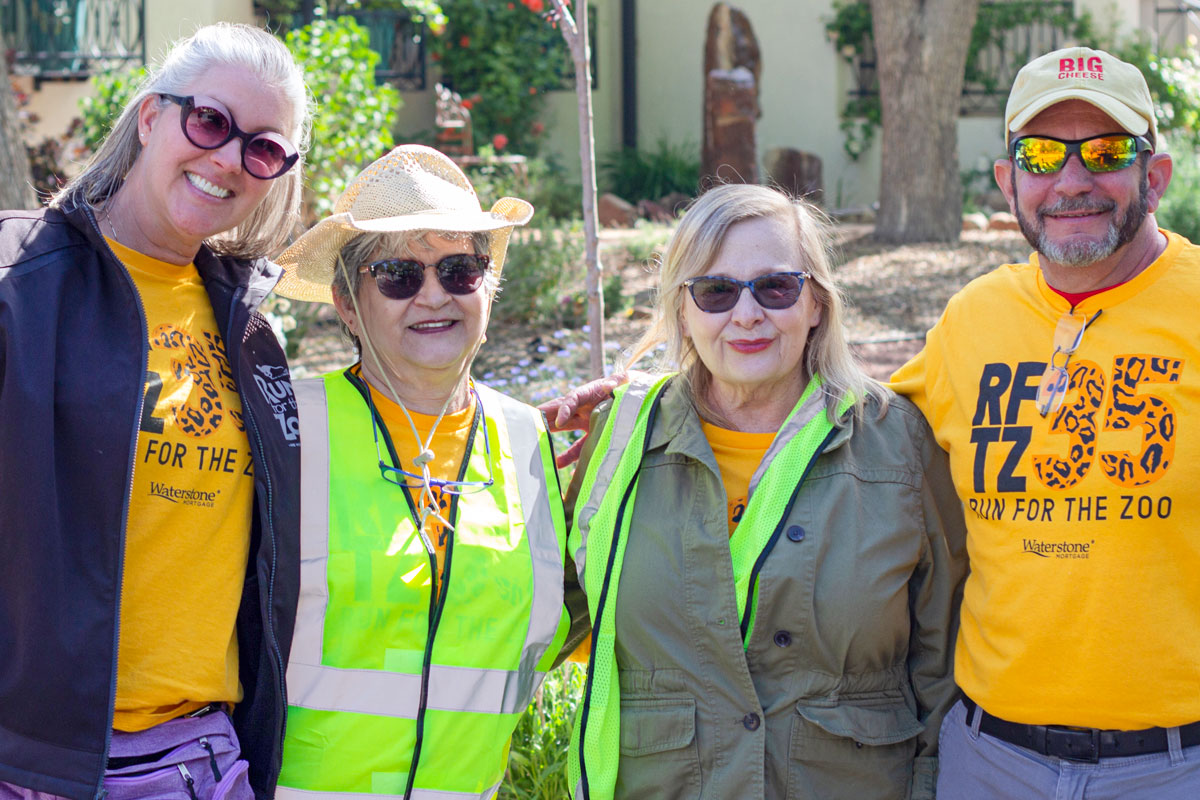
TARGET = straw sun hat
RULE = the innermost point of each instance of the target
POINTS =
(411, 188)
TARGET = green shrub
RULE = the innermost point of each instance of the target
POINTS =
(1179, 210)
(112, 91)
(545, 278)
(352, 125)
(543, 266)
(502, 57)
(635, 174)
(545, 184)
(537, 764)
(1174, 80)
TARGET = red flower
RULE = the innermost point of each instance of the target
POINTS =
(536, 6)
(511, 6)
(499, 141)
(436, 56)
(538, 128)
(533, 90)
(467, 104)
(465, 41)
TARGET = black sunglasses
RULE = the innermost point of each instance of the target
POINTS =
(208, 125)
(716, 293)
(402, 278)
(1045, 155)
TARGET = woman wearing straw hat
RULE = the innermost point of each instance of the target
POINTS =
(432, 531)
(149, 458)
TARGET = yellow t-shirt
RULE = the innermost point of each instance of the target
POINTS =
(738, 455)
(188, 533)
(1083, 603)
(449, 446)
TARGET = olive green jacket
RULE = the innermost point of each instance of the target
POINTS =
(842, 689)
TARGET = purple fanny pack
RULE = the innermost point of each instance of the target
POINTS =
(189, 758)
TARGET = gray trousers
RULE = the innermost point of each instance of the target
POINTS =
(975, 766)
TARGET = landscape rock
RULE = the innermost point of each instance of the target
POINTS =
(1003, 221)
(975, 222)
(732, 73)
(730, 108)
(796, 172)
(648, 209)
(614, 212)
(730, 42)
(675, 202)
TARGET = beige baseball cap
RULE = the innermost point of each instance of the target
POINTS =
(1081, 73)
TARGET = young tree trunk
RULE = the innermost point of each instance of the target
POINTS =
(16, 187)
(921, 52)
(575, 31)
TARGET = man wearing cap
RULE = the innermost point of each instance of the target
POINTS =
(1063, 389)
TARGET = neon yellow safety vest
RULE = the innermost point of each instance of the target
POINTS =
(600, 532)
(395, 690)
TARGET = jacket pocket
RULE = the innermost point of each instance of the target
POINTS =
(659, 754)
(859, 746)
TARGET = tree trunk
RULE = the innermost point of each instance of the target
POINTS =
(921, 52)
(575, 31)
(16, 186)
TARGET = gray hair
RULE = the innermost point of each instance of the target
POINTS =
(367, 247)
(690, 253)
(261, 55)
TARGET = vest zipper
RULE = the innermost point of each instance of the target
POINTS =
(608, 570)
(770, 545)
(268, 526)
(137, 424)
(437, 597)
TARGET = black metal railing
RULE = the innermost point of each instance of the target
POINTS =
(400, 44)
(73, 38)
(986, 87)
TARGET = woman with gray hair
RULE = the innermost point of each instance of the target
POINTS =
(149, 465)
(432, 532)
(769, 541)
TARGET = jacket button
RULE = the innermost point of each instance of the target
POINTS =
(783, 638)
(795, 533)
(751, 721)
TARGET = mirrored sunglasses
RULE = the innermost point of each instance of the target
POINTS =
(207, 124)
(1056, 380)
(402, 278)
(716, 293)
(1044, 155)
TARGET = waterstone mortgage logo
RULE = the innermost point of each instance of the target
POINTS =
(1086, 68)
(187, 497)
(1045, 549)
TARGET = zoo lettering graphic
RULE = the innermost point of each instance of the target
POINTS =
(1131, 396)
(202, 363)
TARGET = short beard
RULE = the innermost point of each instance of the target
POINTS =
(1121, 229)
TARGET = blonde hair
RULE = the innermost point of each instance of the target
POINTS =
(691, 252)
(263, 58)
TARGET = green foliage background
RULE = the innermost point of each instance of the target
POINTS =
(352, 124)
(504, 58)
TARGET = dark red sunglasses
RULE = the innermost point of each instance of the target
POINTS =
(208, 125)
(402, 278)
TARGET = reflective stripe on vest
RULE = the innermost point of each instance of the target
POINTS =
(365, 575)
(600, 534)
(285, 793)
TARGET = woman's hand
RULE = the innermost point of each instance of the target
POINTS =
(573, 411)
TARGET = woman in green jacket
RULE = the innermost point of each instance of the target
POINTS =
(770, 543)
